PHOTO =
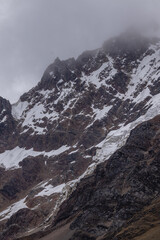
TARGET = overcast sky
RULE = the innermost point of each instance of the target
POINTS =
(34, 32)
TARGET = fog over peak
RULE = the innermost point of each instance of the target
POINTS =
(34, 33)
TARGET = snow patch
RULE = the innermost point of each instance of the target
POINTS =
(94, 77)
(4, 119)
(18, 109)
(50, 189)
(7, 213)
(10, 159)
(100, 113)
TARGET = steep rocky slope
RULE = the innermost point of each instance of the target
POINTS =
(77, 116)
(121, 192)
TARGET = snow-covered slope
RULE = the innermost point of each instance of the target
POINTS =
(77, 116)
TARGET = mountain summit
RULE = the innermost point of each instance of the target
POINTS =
(71, 164)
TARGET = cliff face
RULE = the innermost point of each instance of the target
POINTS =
(61, 131)
(7, 125)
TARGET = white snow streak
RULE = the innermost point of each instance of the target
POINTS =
(49, 190)
(7, 213)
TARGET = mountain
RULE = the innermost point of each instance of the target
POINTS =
(79, 151)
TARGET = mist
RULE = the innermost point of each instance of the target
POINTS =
(34, 32)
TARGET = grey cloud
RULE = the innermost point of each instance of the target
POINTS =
(34, 32)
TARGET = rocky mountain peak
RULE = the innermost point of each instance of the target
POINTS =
(4, 105)
(128, 47)
(7, 124)
(59, 71)
(131, 45)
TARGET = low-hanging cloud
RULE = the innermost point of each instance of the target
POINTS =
(34, 32)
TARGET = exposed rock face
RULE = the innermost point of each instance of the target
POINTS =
(77, 116)
(7, 125)
(110, 198)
